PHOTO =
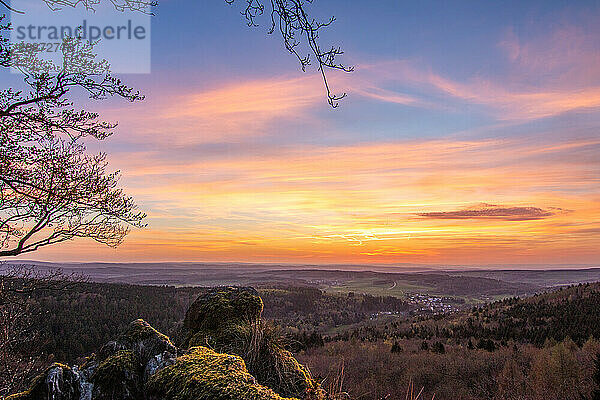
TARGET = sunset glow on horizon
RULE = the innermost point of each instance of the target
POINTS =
(486, 154)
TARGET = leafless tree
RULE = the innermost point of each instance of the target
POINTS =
(19, 357)
(45, 107)
(120, 5)
(124, 5)
(289, 17)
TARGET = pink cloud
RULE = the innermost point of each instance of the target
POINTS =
(546, 76)
(568, 57)
(226, 113)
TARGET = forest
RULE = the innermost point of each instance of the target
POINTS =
(78, 321)
(540, 347)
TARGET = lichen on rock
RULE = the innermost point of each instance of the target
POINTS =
(246, 360)
(238, 329)
(141, 338)
(118, 377)
(58, 382)
(203, 374)
(118, 371)
(223, 304)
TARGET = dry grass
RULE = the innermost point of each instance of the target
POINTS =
(412, 395)
(335, 385)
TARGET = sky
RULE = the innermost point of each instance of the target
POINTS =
(470, 135)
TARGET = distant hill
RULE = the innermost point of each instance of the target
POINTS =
(472, 286)
(572, 312)
(544, 277)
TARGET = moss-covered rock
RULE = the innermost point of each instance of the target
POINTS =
(203, 374)
(277, 368)
(239, 330)
(118, 371)
(223, 304)
(247, 360)
(141, 338)
(118, 377)
(58, 382)
(232, 337)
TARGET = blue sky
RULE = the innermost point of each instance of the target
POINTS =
(469, 135)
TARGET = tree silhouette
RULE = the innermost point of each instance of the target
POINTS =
(51, 190)
(293, 22)
(288, 17)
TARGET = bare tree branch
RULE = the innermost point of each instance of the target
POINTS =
(120, 5)
(5, 4)
(52, 191)
(292, 21)
(46, 107)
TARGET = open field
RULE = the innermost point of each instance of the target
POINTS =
(378, 287)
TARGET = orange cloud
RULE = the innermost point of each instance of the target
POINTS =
(228, 113)
(398, 201)
(361, 203)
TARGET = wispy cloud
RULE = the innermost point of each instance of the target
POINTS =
(505, 101)
(244, 170)
(262, 98)
(567, 56)
(547, 75)
(492, 211)
(229, 112)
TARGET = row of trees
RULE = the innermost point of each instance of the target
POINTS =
(557, 371)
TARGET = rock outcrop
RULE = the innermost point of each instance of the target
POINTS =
(118, 371)
(58, 382)
(229, 353)
(223, 305)
(203, 374)
(228, 320)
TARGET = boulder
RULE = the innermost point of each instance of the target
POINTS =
(223, 304)
(246, 360)
(203, 374)
(144, 341)
(118, 371)
(238, 329)
(118, 377)
(58, 382)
